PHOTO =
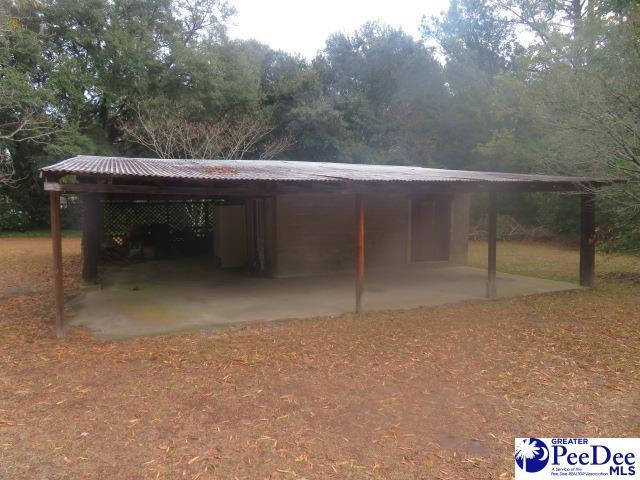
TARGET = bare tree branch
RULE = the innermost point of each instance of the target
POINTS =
(168, 134)
(7, 172)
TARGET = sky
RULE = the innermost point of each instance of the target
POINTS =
(302, 26)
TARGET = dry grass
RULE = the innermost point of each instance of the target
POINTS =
(549, 260)
(427, 393)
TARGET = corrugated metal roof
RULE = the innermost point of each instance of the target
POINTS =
(284, 170)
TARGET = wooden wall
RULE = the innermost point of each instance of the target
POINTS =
(386, 229)
(315, 233)
(230, 238)
(458, 254)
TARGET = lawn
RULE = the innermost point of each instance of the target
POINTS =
(551, 260)
(427, 393)
(38, 233)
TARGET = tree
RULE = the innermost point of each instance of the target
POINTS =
(21, 105)
(474, 32)
(572, 106)
(381, 93)
(510, 83)
(479, 46)
(168, 134)
(22, 119)
(202, 19)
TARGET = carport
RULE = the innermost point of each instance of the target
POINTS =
(303, 220)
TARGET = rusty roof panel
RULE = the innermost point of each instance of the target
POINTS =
(287, 171)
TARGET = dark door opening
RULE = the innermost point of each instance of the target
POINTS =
(430, 229)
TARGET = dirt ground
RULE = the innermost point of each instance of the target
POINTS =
(428, 393)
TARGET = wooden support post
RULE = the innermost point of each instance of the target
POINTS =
(492, 226)
(359, 251)
(56, 240)
(587, 239)
(91, 236)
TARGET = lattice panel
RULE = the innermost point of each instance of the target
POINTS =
(121, 218)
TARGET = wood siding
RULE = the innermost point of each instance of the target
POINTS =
(316, 233)
(460, 229)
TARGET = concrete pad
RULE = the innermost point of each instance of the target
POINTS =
(160, 297)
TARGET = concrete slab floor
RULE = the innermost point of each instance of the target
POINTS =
(160, 297)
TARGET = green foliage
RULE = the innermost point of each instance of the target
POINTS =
(13, 218)
(71, 68)
(37, 233)
(471, 33)
(380, 99)
(516, 85)
(566, 103)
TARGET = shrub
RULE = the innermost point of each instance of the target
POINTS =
(13, 218)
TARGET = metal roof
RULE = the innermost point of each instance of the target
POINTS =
(284, 170)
